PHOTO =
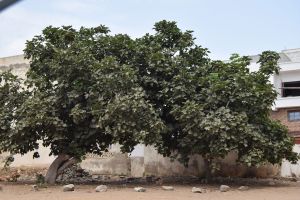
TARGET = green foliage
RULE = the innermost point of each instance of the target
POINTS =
(40, 179)
(87, 89)
(83, 96)
(12, 95)
(210, 107)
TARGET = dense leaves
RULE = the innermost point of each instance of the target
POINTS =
(210, 107)
(87, 89)
(83, 98)
(12, 95)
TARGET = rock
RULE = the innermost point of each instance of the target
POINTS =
(271, 183)
(95, 176)
(159, 181)
(68, 188)
(139, 189)
(168, 188)
(198, 190)
(1, 188)
(101, 188)
(243, 188)
(294, 179)
(224, 188)
(35, 187)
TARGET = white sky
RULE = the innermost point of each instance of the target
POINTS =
(223, 26)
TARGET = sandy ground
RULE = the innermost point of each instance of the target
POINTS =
(86, 192)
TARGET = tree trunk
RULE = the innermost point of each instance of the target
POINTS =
(207, 165)
(62, 162)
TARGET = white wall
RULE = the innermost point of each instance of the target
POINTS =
(291, 170)
(286, 76)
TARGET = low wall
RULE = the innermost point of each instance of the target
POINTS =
(229, 168)
(291, 170)
(107, 164)
(27, 160)
(158, 165)
(153, 164)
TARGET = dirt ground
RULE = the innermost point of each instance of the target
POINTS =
(86, 192)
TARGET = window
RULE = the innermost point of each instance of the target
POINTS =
(291, 89)
(294, 115)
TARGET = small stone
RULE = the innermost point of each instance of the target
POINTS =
(101, 188)
(224, 188)
(68, 188)
(35, 187)
(139, 189)
(168, 188)
(271, 183)
(159, 181)
(198, 190)
(95, 176)
(243, 188)
(294, 179)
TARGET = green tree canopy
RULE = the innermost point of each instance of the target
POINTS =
(82, 98)
(87, 89)
(211, 107)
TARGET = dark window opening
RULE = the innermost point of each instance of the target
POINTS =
(294, 115)
(291, 89)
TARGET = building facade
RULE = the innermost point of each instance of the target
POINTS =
(286, 107)
(287, 84)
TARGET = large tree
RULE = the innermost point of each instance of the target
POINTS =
(87, 89)
(81, 98)
(209, 107)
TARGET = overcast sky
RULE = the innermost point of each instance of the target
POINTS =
(246, 27)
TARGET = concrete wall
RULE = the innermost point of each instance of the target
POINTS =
(155, 164)
(137, 166)
(291, 170)
(110, 163)
(17, 64)
(229, 168)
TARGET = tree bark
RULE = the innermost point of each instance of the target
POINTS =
(66, 164)
(62, 162)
